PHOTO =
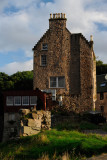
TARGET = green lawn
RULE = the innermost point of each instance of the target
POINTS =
(53, 144)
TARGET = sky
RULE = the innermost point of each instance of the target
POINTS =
(23, 22)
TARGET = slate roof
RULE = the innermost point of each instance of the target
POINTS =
(101, 83)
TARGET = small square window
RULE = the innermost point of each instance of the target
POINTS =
(9, 100)
(17, 100)
(43, 60)
(102, 84)
(25, 100)
(102, 108)
(33, 100)
(44, 46)
(101, 96)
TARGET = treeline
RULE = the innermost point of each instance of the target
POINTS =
(24, 80)
(101, 68)
(18, 81)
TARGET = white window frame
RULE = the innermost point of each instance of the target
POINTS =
(11, 104)
(43, 62)
(57, 82)
(44, 46)
(30, 100)
(16, 104)
(27, 104)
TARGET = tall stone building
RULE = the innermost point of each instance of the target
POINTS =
(65, 65)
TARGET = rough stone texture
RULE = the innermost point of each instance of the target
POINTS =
(28, 131)
(16, 124)
(69, 55)
(40, 120)
(24, 111)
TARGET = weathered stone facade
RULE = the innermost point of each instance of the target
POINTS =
(68, 55)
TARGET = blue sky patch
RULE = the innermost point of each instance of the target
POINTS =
(13, 56)
(11, 9)
(101, 27)
(47, 1)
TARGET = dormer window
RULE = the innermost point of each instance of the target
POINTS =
(43, 60)
(44, 46)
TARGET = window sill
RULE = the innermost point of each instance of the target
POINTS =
(57, 87)
(43, 65)
(44, 49)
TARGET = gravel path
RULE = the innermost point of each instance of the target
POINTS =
(101, 157)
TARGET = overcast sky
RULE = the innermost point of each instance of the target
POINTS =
(23, 22)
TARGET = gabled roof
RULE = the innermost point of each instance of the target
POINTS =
(40, 40)
(79, 34)
(101, 83)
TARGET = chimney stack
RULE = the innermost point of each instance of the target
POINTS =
(57, 20)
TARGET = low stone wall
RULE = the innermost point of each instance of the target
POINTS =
(25, 123)
(33, 122)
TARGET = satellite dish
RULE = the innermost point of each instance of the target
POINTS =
(106, 77)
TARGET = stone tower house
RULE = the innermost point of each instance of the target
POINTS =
(64, 64)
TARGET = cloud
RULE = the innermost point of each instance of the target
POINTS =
(17, 66)
(22, 27)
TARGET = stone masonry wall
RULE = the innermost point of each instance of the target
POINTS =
(68, 55)
(58, 58)
(25, 123)
(33, 122)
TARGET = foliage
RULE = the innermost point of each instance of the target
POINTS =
(101, 68)
(53, 143)
(20, 80)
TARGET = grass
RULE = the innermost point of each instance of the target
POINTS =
(76, 126)
(54, 145)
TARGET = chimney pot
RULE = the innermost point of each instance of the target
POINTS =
(51, 16)
(91, 38)
(56, 15)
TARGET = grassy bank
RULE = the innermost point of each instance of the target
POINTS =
(54, 144)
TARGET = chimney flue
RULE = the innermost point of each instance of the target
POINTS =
(51, 16)
(58, 16)
(91, 38)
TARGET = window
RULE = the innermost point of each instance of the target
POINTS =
(44, 46)
(33, 100)
(102, 108)
(57, 82)
(102, 84)
(9, 100)
(101, 96)
(25, 100)
(43, 60)
(17, 100)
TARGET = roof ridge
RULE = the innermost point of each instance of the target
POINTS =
(40, 39)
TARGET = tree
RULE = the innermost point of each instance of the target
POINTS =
(20, 80)
(101, 68)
